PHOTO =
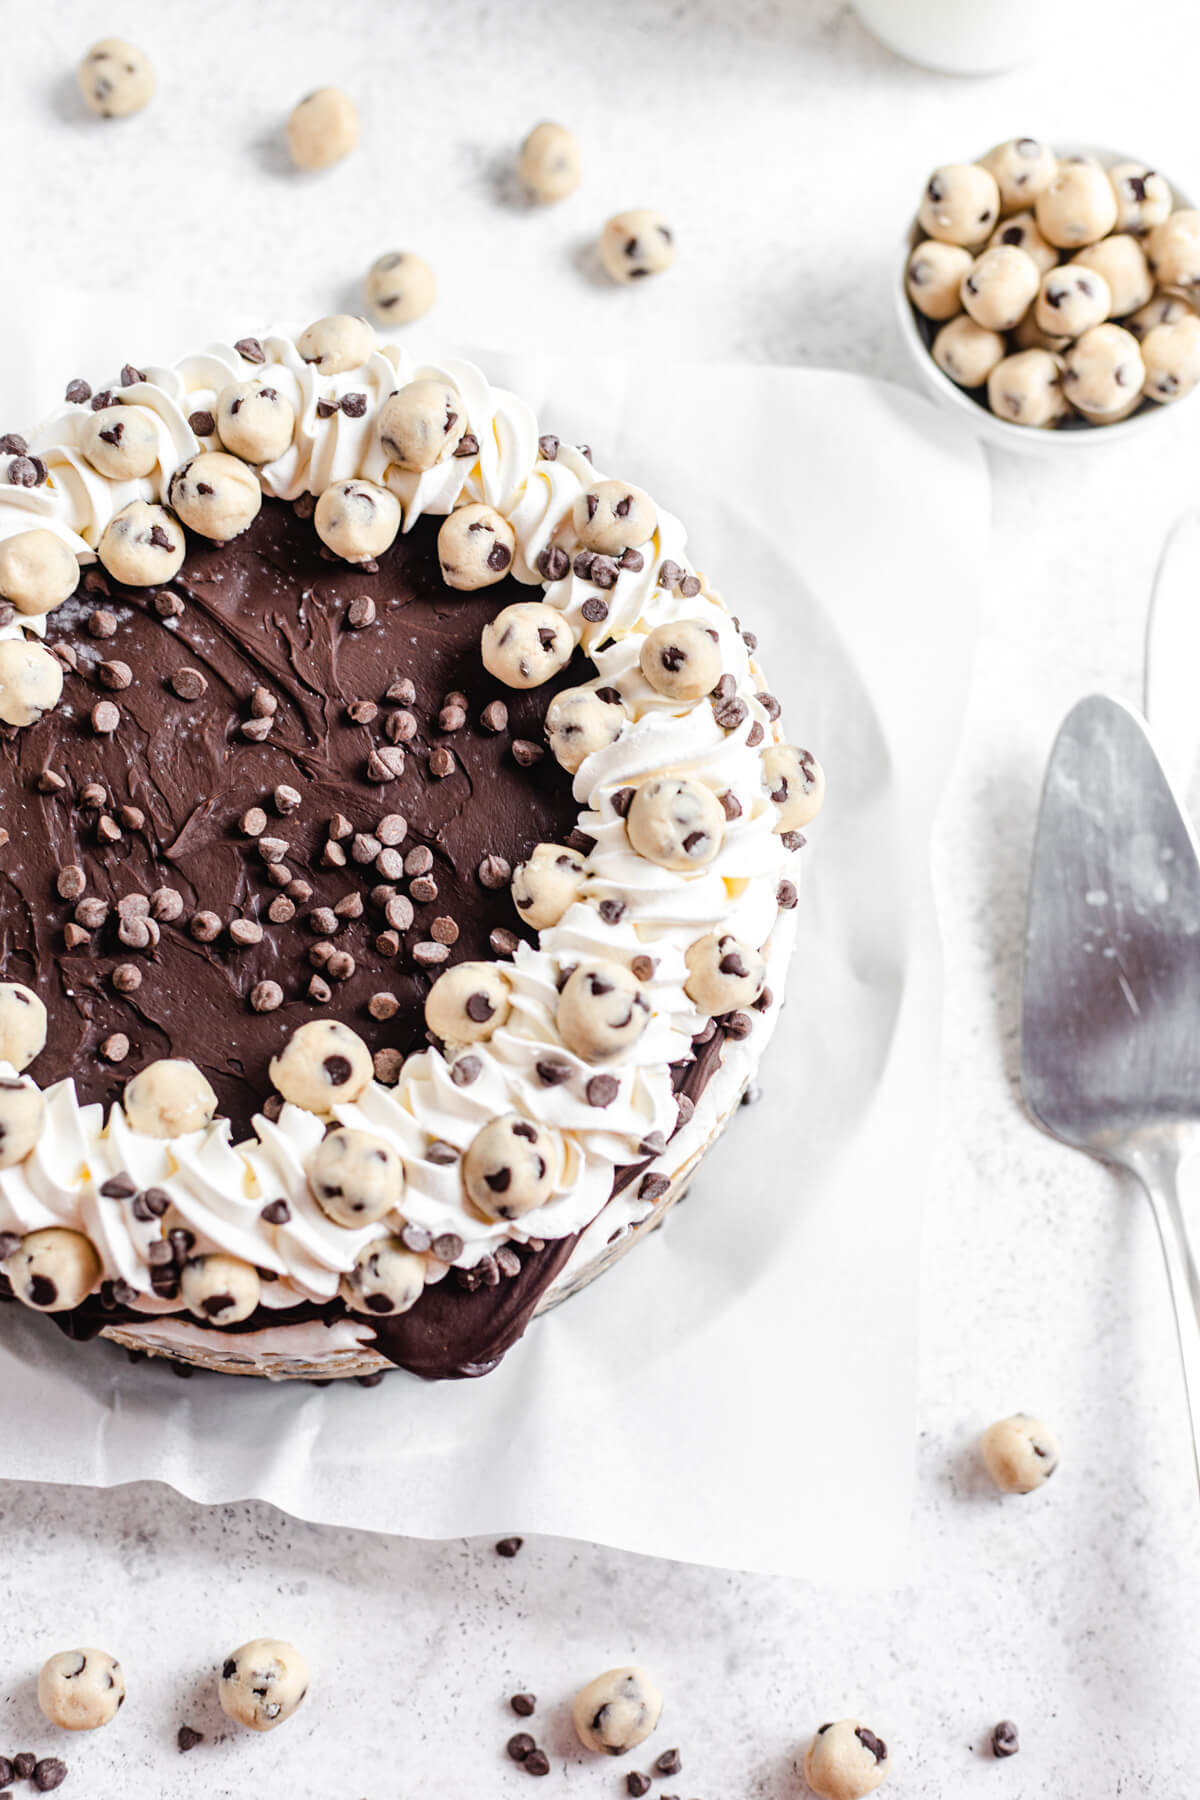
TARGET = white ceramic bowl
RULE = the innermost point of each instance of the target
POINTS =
(1072, 440)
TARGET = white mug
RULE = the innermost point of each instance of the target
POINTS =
(966, 37)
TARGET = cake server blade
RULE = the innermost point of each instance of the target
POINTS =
(1173, 652)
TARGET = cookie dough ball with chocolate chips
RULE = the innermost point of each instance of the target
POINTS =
(1143, 197)
(475, 547)
(1171, 354)
(1078, 207)
(582, 721)
(337, 344)
(612, 516)
(468, 1003)
(142, 545)
(322, 129)
(422, 423)
(386, 1278)
(324, 1064)
(22, 1115)
(967, 352)
(1161, 309)
(356, 1177)
(357, 520)
(795, 781)
(999, 287)
(254, 421)
(934, 277)
(635, 244)
(1022, 168)
(1103, 372)
(1021, 233)
(53, 1270)
(550, 165)
(401, 287)
(682, 660)
(121, 441)
(37, 571)
(1026, 389)
(22, 1024)
(81, 1690)
(1122, 263)
(526, 644)
(216, 495)
(845, 1761)
(219, 1289)
(675, 822)
(602, 1011)
(511, 1166)
(1173, 251)
(1021, 1453)
(724, 974)
(31, 681)
(617, 1711)
(169, 1098)
(960, 205)
(115, 79)
(1071, 300)
(1030, 336)
(548, 882)
(262, 1683)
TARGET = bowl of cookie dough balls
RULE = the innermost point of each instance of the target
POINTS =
(1053, 295)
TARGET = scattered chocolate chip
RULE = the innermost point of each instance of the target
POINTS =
(326, 408)
(729, 714)
(340, 966)
(188, 684)
(49, 1773)
(354, 405)
(105, 717)
(738, 1025)
(119, 1187)
(91, 912)
(71, 881)
(245, 932)
(78, 391)
(453, 714)
(602, 1090)
(107, 830)
(263, 704)
(792, 840)
(552, 1071)
(115, 1047)
(24, 1763)
(385, 764)
(525, 753)
(360, 612)
(423, 889)
(537, 1763)
(495, 872)
(520, 1745)
(419, 860)
(669, 1763)
(503, 942)
(399, 912)
(388, 1063)
(444, 930)
(447, 1248)
(256, 731)
(50, 782)
(205, 926)
(468, 445)
(287, 799)
(637, 1783)
(612, 911)
(265, 996)
(428, 954)
(131, 817)
(441, 762)
(333, 856)
(114, 675)
(401, 691)
(632, 560)
(465, 1070)
(548, 446)
(350, 906)
(653, 1187)
(389, 864)
(127, 978)
(299, 891)
(595, 611)
(187, 1738)
(319, 990)
(1006, 1740)
(401, 727)
(622, 800)
(731, 806)
(383, 1006)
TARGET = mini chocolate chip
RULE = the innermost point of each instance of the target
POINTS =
(49, 1773)
(105, 716)
(70, 881)
(399, 912)
(465, 1070)
(637, 1783)
(468, 445)
(256, 731)
(202, 423)
(78, 391)
(423, 889)
(167, 605)
(537, 1763)
(612, 911)
(653, 1187)
(441, 762)
(548, 446)
(520, 1745)
(385, 764)
(354, 405)
(669, 1763)
(622, 800)
(428, 954)
(553, 563)
(205, 926)
(1006, 1739)
(287, 799)
(127, 978)
(115, 676)
(188, 684)
(495, 872)
(552, 1071)
(119, 1187)
(402, 691)
(525, 753)
(24, 1763)
(447, 1248)
(524, 1705)
(187, 1738)
(360, 612)
(503, 942)
(602, 1090)
(383, 1006)
(595, 611)
(494, 716)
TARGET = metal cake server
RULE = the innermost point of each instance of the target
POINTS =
(1110, 1035)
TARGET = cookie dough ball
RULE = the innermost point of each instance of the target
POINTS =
(1026, 389)
(1173, 250)
(322, 129)
(1078, 207)
(219, 1289)
(81, 1690)
(475, 547)
(31, 681)
(616, 1712)
(1103, 370)
(1021, 233)
(1071, 300)
(357, 520)
(682, 660)
(254, 421)
(960, 205)
(999, 287)
(526, 644)
(115, 79)
(546, 884)
(22, 1115)
(263, 1683)
(37, 571)
(356, 1177)
(1022, 168)
(386, 1278)
(422, 424)
(1143, 197)
(337, 344)
(550, 165)
(934, 278)
(121, 442)
(1122, 262)
(611, 516)
(169, 1098)
(795, 781)
(635, 244)
(1171, 354)
(468, 1003)
(675, 822)
(511, 1166)
(22, 1024)
(216, 495)
(1161, 309)
(845, 1761)
(323, 1064)
(1030, 336)
(1021, 1453)
(967, 352)
(582, 721)
(142, 545)
(53, 1270)
(724, 974)
(401, 286)
(602, 1011)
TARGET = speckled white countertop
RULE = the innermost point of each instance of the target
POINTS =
(788, 149)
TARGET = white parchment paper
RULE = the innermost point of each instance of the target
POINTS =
(740, 1390)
